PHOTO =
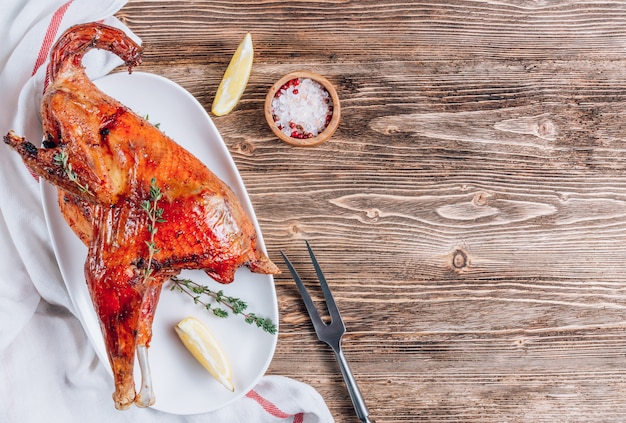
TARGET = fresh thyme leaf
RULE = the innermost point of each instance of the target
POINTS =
(61, 159)
(155, 192)
(156, 125)
(220, 312)
(238, 305)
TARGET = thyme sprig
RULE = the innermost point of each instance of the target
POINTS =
(236, 305)
(62, 159)
(155, 214)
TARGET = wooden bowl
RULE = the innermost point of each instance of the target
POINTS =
(322, 136)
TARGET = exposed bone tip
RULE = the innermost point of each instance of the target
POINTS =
(122, 402)
(124, 395)
(12, 138)
(145, 397)
(144, 401)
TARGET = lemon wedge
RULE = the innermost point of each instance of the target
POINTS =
(200, 341)
(235, 78)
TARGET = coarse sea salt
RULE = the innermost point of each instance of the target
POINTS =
(302, 108)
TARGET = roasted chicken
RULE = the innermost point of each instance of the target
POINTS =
(105, 159)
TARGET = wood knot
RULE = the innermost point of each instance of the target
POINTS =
(459, 259)
(245, 147)
(481, 198)
(373, 214)
(546, 129)
(294, 229)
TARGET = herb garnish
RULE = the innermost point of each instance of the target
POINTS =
(61, 159)
(236, 305)
(155, 214)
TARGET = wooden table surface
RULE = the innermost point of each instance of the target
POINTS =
(470, 210)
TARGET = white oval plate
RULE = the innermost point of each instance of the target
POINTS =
(181, 385)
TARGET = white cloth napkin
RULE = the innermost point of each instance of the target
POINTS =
(48, 370)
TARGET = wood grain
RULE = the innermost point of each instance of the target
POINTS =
(469, 212)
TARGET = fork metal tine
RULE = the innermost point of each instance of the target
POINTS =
(308, 302)
(333, 310)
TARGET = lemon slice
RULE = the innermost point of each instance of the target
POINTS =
(200, 341)
(235, 78)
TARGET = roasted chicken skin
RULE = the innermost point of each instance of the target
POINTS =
(104, 159)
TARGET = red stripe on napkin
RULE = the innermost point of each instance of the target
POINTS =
(272, 409)
(51, 33)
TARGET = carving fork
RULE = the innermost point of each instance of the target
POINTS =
(330, 333)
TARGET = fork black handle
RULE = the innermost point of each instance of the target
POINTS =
(353, 389)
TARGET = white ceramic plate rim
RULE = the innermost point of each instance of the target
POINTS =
(180, 384)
